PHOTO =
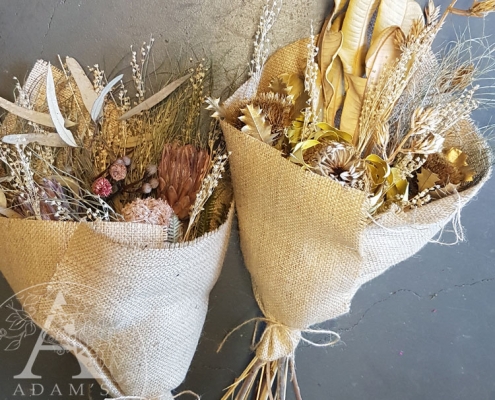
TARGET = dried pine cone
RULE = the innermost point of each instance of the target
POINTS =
(180, 174)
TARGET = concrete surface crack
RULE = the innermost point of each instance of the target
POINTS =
(48, 28)
(417, 295)
(462, 285)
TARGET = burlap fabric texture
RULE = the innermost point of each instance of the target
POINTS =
(132, 304)
(307, 241)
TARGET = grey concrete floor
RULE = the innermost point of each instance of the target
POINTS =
(422, 330)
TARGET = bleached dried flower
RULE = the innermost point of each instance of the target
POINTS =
(146, 188)
(341, 163)
(148, 211)
(154, 183)
(102, 187)
(118, 171)
(126, 160)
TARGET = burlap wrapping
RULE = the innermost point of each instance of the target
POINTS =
(307, 241)
(137, 304)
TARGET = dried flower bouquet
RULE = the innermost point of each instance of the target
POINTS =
(121, 205)
(350, 151)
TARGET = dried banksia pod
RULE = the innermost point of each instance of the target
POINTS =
(180, 174)
(148, 211)
(450, 166)
(276, 107)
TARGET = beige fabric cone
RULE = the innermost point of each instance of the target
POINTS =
(136, 304)
(308, 241)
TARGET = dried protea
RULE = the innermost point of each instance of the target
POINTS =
(340, 162)
(180, 174)
(148, 211)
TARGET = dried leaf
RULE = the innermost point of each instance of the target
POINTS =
(355, 29)
(214, 105)
(67, 182)
(445, 191)
(136, 140)
(297, 155)
(155, 99)
(256, 124)
(56, 115)
(397, 186)
(459, 159)
(278, 85)
(83, 83)
(426, 179)
(355, 87)
(400, 13)
(378, 169)
(294, 84)
(31, 115)
(332, 45)
(334, 78)
(3, 200)
(383, 51)
(45, 139)
(100, 100)
(7, 212)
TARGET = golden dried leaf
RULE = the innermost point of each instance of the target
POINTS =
(355, 87)
(378, 169)
(278, 85)
(397, 186)
(383, 51)
(334, 87)
(459, 159)
(256, 124)
(399, 13)
(7, 212)
(330, 47)
(426, 179)
(355, 29)
(297, 155)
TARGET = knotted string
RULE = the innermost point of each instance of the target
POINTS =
(272, 325)
(155, 398)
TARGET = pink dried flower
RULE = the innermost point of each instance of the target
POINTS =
(102, 187)
(118, 171)
(148, 211)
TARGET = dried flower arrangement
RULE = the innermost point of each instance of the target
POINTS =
(117, 192)
(350, 151)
